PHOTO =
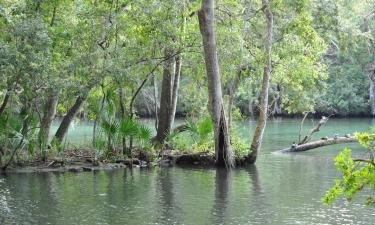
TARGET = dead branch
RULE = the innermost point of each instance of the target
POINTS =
(315, 129)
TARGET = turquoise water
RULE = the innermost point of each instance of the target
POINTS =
(279, 189)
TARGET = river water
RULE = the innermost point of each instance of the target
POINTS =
(279, 189)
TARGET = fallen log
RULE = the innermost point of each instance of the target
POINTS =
(320, 143)
(56, 162)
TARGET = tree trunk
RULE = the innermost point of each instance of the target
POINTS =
(176, 86)
(320, 143)
(263, 109)
(166, 98)
(372, 90)
(122, 114)
(223, 152)
(26, 113)
(97, 119)
(48, 116)
(156, 106)
(68, 118)
(232, 94)
(315, 129)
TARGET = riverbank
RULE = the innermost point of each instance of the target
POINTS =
(83, 161)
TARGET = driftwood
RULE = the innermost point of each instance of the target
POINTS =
(301, 126)
(56, 162)
(315, 129)
(320, 143)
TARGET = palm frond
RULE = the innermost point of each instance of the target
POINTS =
(128, 127)
(109, 127)
(144, 133)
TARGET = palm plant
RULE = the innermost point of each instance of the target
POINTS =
(128, 128)
(11, 139)
(110, 128)
(199, 130)
(144, 134)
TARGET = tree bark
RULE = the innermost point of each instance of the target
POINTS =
(48, 116)
(223, 151)
(156, 106)
(315, 129)
(68, 118)
(320, 143)
(263, 110)
(372, 90)
(166, 98)
(176, 86)
(98, 117)
(122, 114)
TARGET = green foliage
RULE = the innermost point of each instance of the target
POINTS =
(197, 136)
(322, 52)
(199, 130)
(128, 127)
(357, 175)
(144, 133)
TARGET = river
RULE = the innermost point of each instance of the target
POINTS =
(279, 189)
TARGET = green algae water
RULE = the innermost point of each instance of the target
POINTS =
(279, 189)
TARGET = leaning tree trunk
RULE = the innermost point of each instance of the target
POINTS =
(68, 118)
(223, 150)
(166, 113)
(48, 116)
(263, 110)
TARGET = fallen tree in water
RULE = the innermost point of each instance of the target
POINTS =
(320, 143)
(305, 144)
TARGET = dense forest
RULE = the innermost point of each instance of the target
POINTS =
(114, 62)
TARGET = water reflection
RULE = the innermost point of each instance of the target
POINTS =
(280, 189)
(167, 206)
(223, 184)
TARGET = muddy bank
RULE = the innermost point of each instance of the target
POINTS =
(85, 164)
(76, 166)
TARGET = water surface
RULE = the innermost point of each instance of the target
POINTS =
(279, 189)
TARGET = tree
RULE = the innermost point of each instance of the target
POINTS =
(357, 174)
(223, 151)
(263, 112)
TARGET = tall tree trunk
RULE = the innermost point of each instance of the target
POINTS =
(122, 115)
(48, 116)
(223, 150)
(26, 113)
(176, 86)
(166, 98)
(372, 89)
(68, 118)
(263, 109)
(156, 106)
